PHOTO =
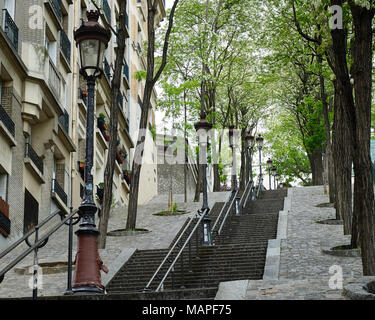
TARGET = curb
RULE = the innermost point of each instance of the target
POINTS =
(272, 265)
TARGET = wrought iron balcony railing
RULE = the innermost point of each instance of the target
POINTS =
(126, 70)
(56, 5)
(65, 45)
(33, 156)
(7, 121)
(121, 101)
(64, 121)
(10, 28)
(127, 20)
(56, 188)
(107, 10)
(107, 70)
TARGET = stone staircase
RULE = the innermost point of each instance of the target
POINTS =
(239, 253)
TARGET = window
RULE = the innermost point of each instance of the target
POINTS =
(4, 185)
(51, 46)
(9, 5)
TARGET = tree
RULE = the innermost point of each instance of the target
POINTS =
(151, 79)
(113, 127)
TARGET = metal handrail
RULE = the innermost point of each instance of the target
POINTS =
(27, 235)
(202, 215)
(221, 213)
(168, 254)
(227, 213)
(39, 243)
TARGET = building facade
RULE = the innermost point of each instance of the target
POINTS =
(43, 110)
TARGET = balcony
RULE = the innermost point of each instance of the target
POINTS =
(56, 8)
(7, 121)
(10, 29)
(107, 10)
(64, 121)
(107, 70)
(33, 156)
(65, 45)
(54, 79)
(59, 191)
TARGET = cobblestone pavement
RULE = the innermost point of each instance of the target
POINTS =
(163, 230)
(305, 272)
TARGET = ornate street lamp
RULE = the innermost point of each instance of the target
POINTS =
(202, 127)
(259, 141)
(233, 143)
(92, 40)
(269, 166)
(273, 170)
(250, 146)
(277, 176)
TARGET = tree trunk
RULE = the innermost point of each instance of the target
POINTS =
(343, 138)
(316, 165)
(151, 79)
(363, 185)
(113, 128)
(243, 179)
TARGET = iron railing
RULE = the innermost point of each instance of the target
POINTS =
(64, 121)
(121, 100)
(10, 28)
(107, 70)
(33, 156)
(56, 188)
(107, 10)
(70, 220)
(65, 45)
(126, 70)
(56, 5)
(176, 253)
(7, 121)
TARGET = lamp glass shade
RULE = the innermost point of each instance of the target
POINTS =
(269, 163)
(273, 170)
(92, 55)
(260, 142)
(202, 137)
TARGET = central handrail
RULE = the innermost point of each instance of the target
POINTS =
(168, 254)
(227, 212)
(202, 215)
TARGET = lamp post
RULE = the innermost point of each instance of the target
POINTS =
(250, 146)
(273, 170)
(269, 166)
(92, 40)
(202, 127)
(277, 176)
(233, 143)
(259, 141)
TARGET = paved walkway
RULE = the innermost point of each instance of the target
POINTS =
(305, 272)
(118, 249)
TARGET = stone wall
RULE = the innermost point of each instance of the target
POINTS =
(167, 172)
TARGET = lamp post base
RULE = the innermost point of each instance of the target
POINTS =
(88, 265)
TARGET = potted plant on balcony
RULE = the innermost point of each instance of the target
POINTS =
(101, 122)
(100, 192)
(119, 157)
(4, 207)
(127, 176)
(123, 153)
(81, 168)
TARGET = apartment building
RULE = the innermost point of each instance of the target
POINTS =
(43, 110)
